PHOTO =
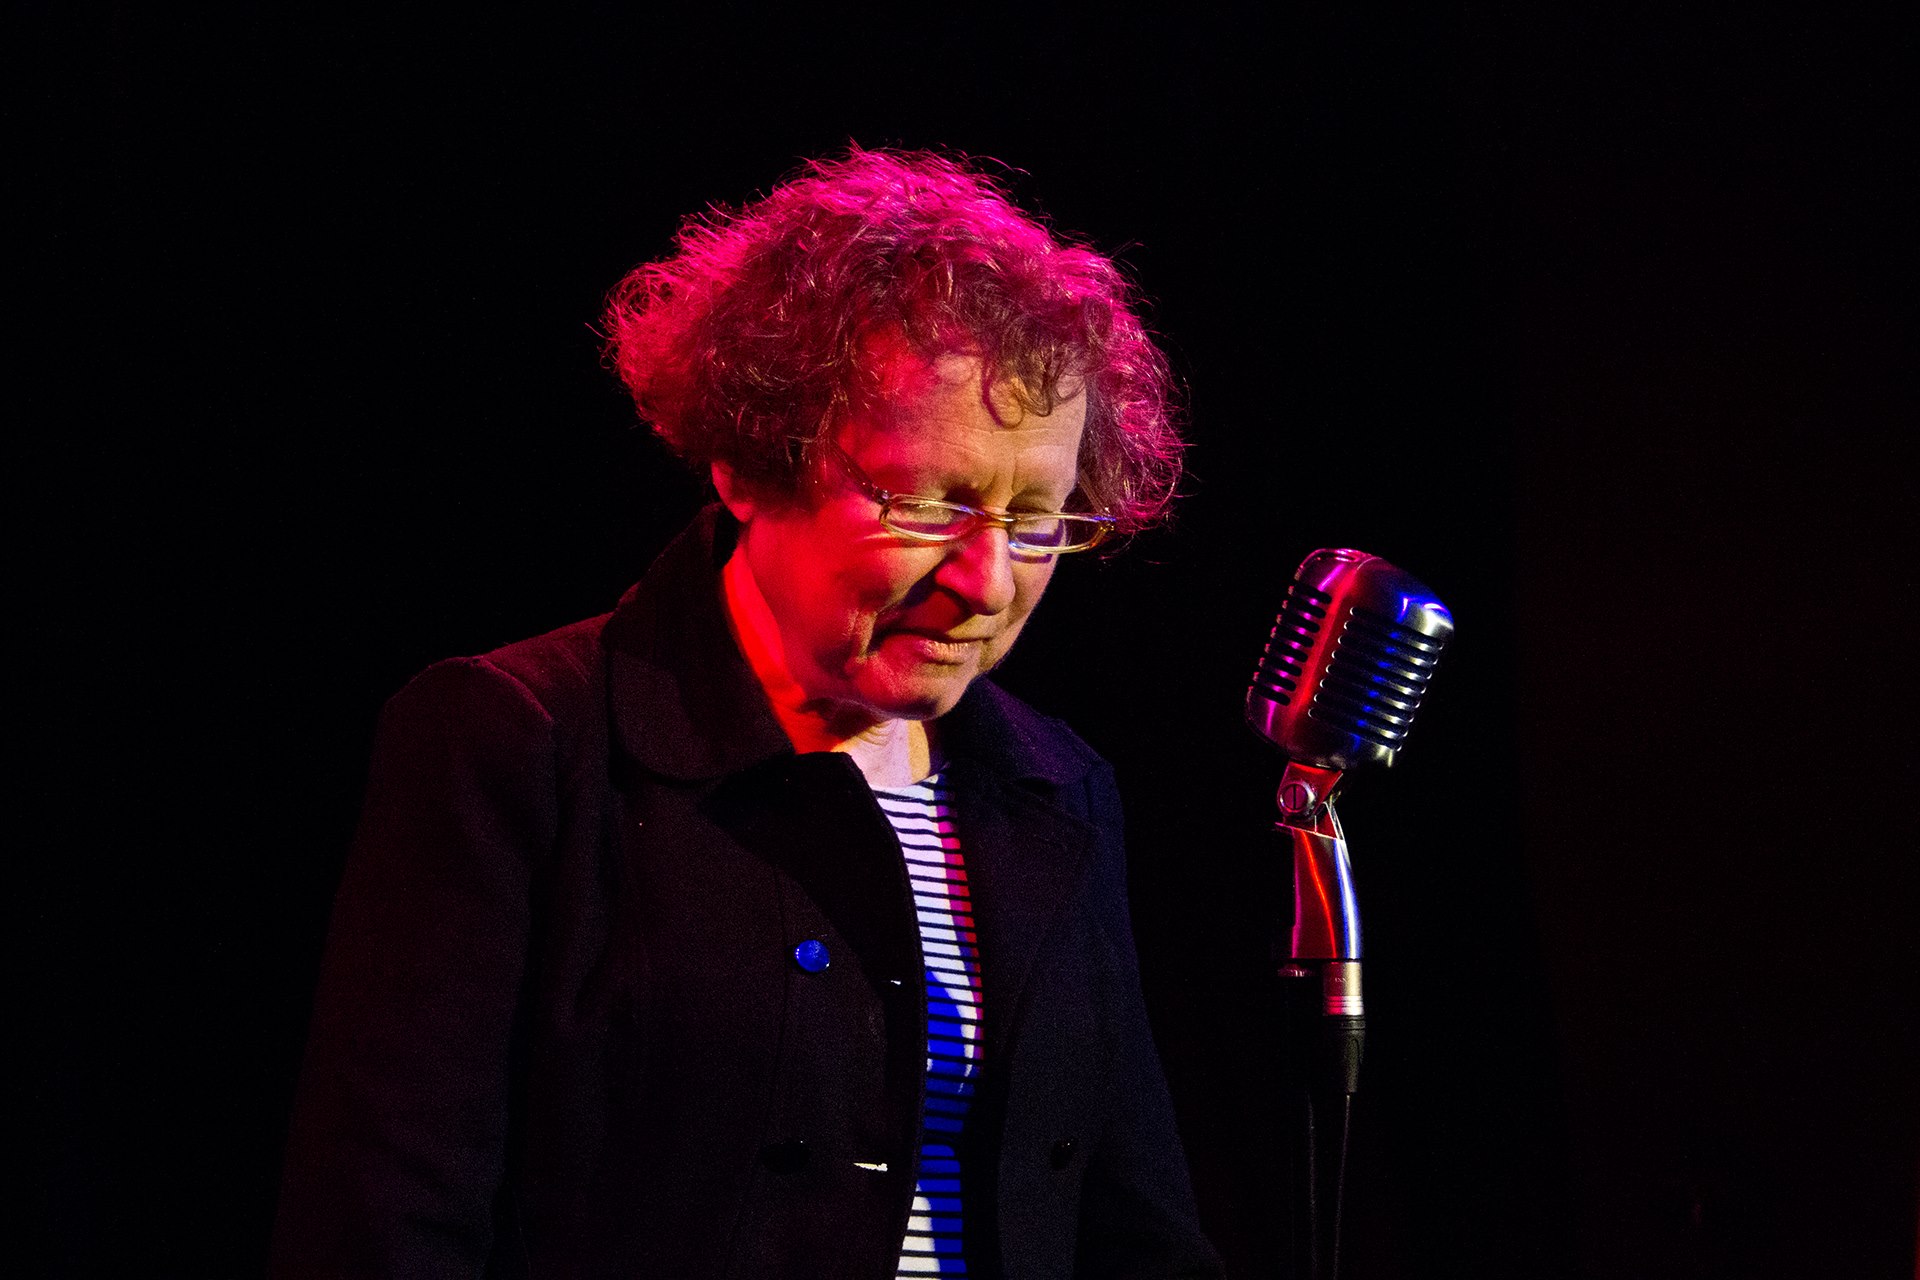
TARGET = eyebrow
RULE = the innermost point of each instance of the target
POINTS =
(1024, 502)
(943, 487)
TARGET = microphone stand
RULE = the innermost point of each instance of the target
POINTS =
(1325, 945)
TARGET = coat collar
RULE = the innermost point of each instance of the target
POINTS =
(687, 706)
(685, 703)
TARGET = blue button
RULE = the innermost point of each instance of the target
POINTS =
(812, 956)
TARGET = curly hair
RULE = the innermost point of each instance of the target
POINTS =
(746, 346)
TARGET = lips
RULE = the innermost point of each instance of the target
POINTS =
(941, 635)
(939, 646)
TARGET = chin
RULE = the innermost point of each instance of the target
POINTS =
(922, 699)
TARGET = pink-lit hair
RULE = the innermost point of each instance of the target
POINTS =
(745, 347)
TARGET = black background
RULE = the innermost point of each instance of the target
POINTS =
(1590, 320)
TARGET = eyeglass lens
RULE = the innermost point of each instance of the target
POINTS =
(1037, 533)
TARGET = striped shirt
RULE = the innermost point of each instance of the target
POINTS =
(922, 816)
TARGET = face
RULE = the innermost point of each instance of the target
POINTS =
(877, 627)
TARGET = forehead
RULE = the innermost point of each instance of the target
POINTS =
(943, 417)
(915, 391)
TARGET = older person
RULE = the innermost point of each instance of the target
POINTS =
(747, 931)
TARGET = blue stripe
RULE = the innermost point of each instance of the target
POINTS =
(931, 1244)
(946, 1009)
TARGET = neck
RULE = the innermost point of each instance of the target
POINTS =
(891, 753)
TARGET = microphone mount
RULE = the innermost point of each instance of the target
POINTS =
(1326, 913)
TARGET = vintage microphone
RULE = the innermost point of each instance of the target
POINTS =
(1344, 670)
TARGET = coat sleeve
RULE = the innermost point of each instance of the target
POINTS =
(400, 1121)
(1137, 1215)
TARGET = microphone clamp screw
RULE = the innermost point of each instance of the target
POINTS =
(1296, 797)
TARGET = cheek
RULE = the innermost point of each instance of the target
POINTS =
(1030, 583)
(898, 577)
(863, 593)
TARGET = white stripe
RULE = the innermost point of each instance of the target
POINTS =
(934, 1204)
(930, 857)
(919, 823)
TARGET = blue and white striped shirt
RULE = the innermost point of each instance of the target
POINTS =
(922, 817)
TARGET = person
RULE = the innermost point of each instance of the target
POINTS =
(748, 930)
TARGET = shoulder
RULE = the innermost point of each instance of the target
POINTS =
(561, 670)
(553, 679)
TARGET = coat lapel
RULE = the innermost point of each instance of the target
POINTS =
(1025, 859)
(1026, 854)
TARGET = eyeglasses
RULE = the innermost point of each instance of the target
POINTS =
(1048, 533)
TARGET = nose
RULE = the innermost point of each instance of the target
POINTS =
(979, 569)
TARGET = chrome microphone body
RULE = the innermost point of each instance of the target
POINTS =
(1344, 670)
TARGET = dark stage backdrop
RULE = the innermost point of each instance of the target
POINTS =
(1591, 321)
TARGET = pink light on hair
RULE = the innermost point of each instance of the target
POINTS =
(751, 341)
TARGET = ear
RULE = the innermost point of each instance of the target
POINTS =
(735, 494)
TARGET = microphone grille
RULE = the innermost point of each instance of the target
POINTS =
(1290, 644)
(1348, 661)
(1375, 678)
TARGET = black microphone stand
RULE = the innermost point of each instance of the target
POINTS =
(1327, 1015)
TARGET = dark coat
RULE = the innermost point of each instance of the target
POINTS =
(560, 1030)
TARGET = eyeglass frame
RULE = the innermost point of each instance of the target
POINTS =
(1103, 524)
(980, 515)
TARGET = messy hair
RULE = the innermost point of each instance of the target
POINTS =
(751, 342)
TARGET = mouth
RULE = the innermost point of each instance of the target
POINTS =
(940, 648)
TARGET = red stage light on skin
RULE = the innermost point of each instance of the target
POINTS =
(850, 625)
